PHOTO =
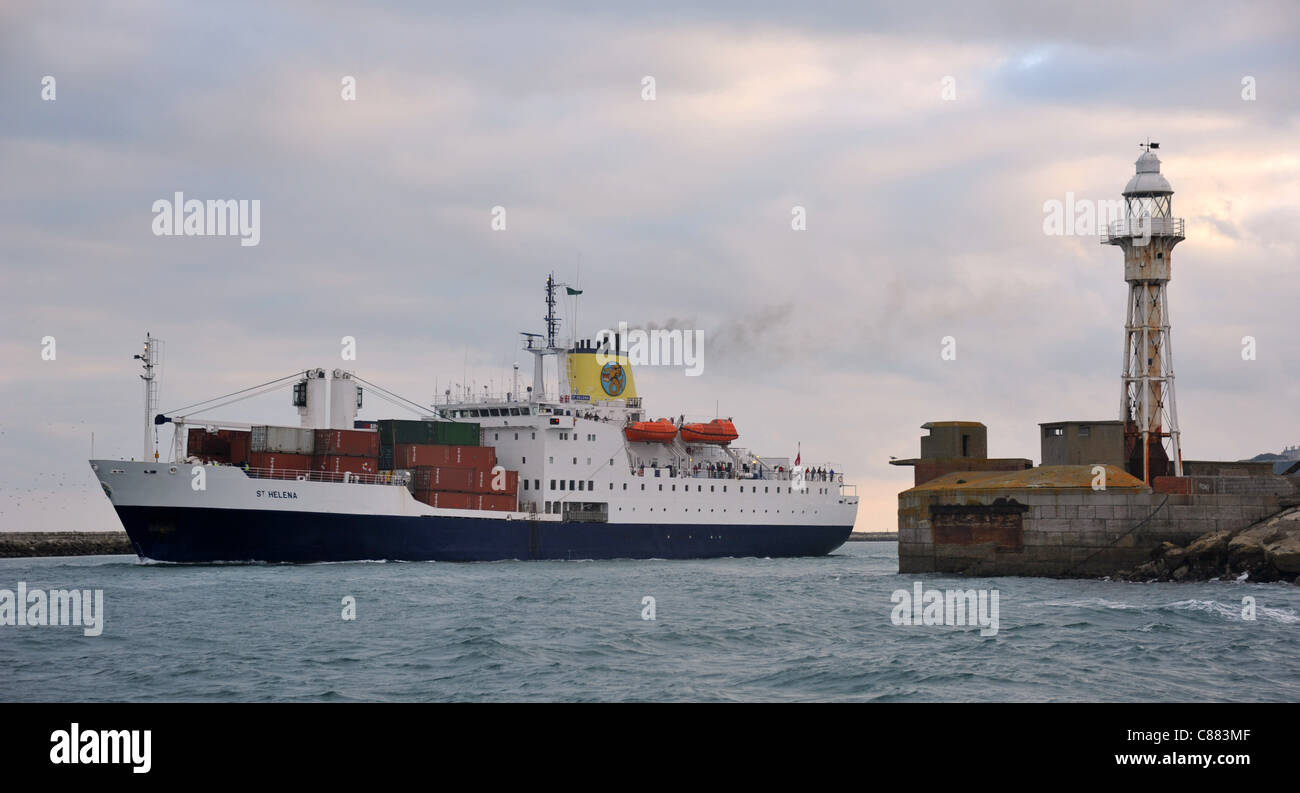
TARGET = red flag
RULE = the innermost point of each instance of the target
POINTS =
(798, 454)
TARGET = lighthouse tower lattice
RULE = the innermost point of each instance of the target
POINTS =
(1147, 234)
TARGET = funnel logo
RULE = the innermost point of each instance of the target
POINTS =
(613, 379)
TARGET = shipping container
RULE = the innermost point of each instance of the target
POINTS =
(429, 477)
(347, 443)
(386, 461)
(207, 445)
(342, 464)
(411, 455)
(223, 446)
(240, 446)
(483, 481)
(276, 461)
(285, 440)
(442, 500)
(362, 424)
(396, 432)
(494, 503)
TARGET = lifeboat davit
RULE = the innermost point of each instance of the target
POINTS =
(716, 431)
(661, 431)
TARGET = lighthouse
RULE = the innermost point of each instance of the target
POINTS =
(1147, 234)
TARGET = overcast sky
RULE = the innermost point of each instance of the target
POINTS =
(922, 141)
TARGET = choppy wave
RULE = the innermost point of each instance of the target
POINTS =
(728, 630)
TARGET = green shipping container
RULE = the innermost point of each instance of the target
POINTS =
(448, 433)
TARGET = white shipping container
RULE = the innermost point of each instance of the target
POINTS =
(283, 440)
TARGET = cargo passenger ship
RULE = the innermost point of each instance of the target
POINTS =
(578, 470)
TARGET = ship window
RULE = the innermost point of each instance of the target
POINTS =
(710, 488)
(611, 461)
(575, 460)
(496, 436)
(591, 485)
(534, 436)
(611, 485)
(580, 485)
(765, 490)
(552, 484)
(724, 488)
(643, 487)
(588, 461)
(624, 485)
(674, 488)
(548, 507)
(537, 484)
(523, 461)
(525, 484)
(570, 484)
(516, 436)
(699, 488)
(550, 460)
(661, 488)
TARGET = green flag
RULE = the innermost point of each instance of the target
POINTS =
(572, 291)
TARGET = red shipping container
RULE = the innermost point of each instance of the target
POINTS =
(239, 446)
(414, 455)
(473, 456)
(484, 480)
(444, 478)
(347, 443)
(441, 500)
(495, 503)
(280, 463)
(338, 464)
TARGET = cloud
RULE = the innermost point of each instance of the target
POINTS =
(924, 215)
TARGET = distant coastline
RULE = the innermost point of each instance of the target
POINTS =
(873, 536)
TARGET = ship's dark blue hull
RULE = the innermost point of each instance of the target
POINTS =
(222, 535)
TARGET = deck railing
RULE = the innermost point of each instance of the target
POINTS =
(398, 478)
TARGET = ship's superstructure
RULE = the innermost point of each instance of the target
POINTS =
(574, 468)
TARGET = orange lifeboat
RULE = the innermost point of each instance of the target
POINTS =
(716, 431)
(661, 431)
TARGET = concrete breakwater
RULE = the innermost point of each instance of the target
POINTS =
(63, 543)
(1051, 521)
(1265, 551)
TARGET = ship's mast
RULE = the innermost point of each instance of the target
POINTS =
(150, 360)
